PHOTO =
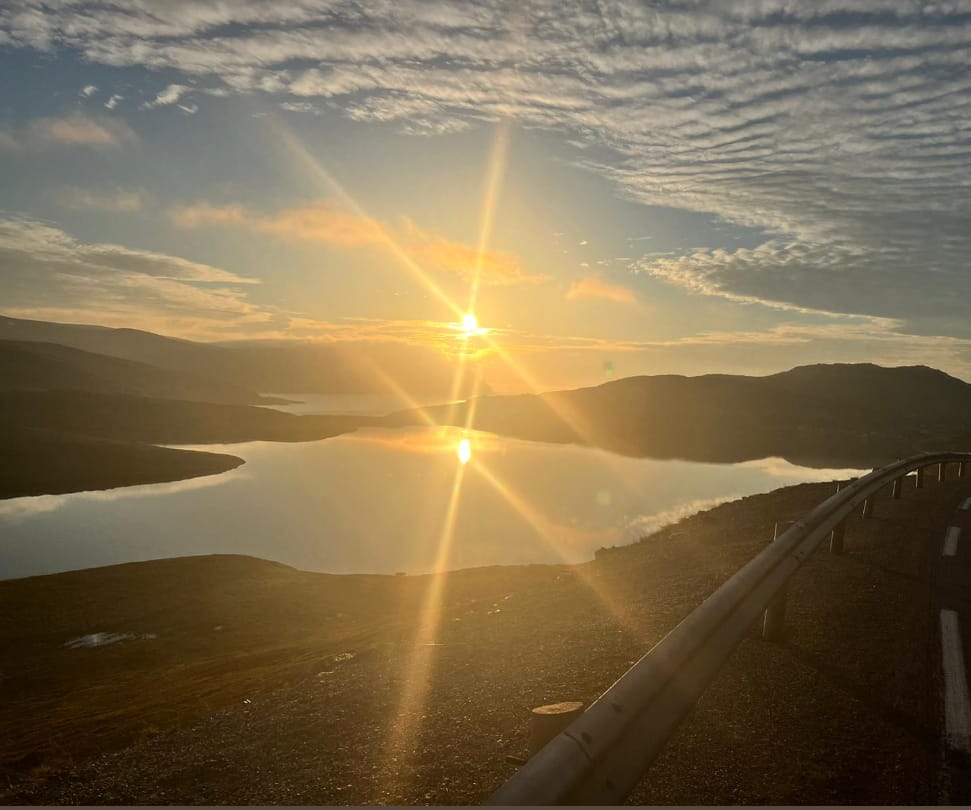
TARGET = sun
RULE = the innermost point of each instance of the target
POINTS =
(464, 451)
(470, 325)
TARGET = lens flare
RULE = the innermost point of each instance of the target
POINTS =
(464, 451)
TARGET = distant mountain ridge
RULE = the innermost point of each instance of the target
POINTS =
(353, 367)
(154, 420)
(821, 415)
(129, 344)
(34, 366)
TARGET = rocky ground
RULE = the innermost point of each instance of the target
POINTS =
(247, 682)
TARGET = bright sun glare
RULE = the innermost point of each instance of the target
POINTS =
(470, 325)
(464, 451)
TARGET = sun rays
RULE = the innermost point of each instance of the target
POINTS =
(473, 341)
(317, 170)
(496, 172)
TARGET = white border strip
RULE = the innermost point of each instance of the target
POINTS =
(951, 541)
(957, 704)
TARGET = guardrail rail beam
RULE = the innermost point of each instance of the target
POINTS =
(602, 755)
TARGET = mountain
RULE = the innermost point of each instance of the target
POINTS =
(129, 344)
(822, 415)
(282, 366)
(346, 367)
(28, 366)
(162, 421)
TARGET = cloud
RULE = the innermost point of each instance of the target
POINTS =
(8, 141)
(118, 201)
(170, 95)
(319, 222)
(112, 102)
(595, 287)
(839, 278)
(837, 129)
(78, 129)
(88, 90)
(47, 272)
(327, 223)
(298, 106)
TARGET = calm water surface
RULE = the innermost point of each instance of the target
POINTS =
(378, 501)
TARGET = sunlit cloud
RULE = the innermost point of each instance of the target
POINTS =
(170, 95)
(48, 273)
(330, 223)
(486, 266)
(323, 222)
(78, 129)
(595, 287)
(118, 201)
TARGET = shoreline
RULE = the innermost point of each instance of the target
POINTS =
(43, 462)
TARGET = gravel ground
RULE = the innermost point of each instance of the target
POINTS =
(843, 710)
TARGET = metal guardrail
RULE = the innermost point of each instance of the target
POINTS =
(600, 757)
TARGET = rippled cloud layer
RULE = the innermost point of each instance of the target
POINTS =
(839, 129)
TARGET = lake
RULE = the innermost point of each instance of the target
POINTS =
(383, 501)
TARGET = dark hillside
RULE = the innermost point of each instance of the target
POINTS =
(855, 414)
(40, 462)
(130, 344)
(29, 366)
(164, 421)
(359, 367)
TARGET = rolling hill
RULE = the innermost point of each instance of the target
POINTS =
(284, 366)
(162, 421)
(821, 415)
(33, 366)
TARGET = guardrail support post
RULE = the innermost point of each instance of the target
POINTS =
(940, 471)
(774, 618)
(920, 478)
(961, 469)
(898, 485)
(836, 538)
(868, 507)
(839, 531)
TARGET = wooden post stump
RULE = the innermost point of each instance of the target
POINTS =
(898, 485)
(868, 506)
(961, 469)
(920, 478)
(941, 471)
(545, 722)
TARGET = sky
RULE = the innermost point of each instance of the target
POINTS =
(738, 186)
